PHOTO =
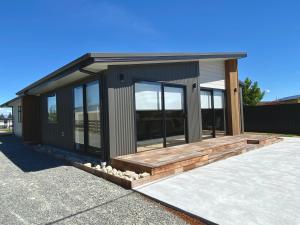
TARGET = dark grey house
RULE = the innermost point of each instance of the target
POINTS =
(118, 104)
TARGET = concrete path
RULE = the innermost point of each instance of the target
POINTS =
(258, 187)
(38, 189)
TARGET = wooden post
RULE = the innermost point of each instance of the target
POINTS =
(232, 97)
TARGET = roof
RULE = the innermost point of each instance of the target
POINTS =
(289, 98)
(6, 104)
(107, 58)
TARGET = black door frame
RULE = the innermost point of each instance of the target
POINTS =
(164, 111)
(212, 90)
(163, 84)
(86, 148)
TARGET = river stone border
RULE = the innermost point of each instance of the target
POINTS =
(127, 179)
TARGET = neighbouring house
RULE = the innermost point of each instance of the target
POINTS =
(5, 123)
(16, 105)
(287, 100)
(117, 104)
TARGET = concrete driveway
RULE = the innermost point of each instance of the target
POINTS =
(258, 187)
(38, 189)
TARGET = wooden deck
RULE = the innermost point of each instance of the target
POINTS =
(171, 160)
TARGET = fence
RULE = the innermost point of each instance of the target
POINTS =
(283, 118)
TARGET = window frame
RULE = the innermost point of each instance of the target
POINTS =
(162, 84)
(53, 95)
(224, 102)
(19, 114)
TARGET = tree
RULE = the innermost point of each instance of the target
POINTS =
(252, 94)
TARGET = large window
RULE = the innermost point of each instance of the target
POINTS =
(52, 109)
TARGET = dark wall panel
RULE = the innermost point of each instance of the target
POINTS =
(31, 119)
(61, 133)
(121, 105)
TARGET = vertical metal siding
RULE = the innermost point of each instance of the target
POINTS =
(121, 107)
(61, 133)
(212, 74)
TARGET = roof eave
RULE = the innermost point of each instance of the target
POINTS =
(131, 57)
(6, 104)
(62, 69)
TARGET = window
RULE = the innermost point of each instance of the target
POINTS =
(19, 114)
(52, 110)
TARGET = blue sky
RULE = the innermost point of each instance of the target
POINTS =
(37, 37)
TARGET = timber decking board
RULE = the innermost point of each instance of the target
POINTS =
(188, 156)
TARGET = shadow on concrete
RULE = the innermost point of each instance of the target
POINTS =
(25, 157)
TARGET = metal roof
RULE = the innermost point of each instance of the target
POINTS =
(6, 104)
(289, 98)
(90, 58)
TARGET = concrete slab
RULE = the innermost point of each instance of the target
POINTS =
(258, 187)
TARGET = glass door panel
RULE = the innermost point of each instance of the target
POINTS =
(93, 115)
(79, 118)
(207, 114)
(87, 127)
(149, 120)
(174, 115)
(219, 112)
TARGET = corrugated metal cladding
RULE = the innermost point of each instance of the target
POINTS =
(61, 133)
(121, 105)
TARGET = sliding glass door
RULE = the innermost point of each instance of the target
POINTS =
(93, 115)
(213, 113)
(87, 122)
(207, 114)
(78, 118)
(174, 110)
(160, 115)
(149, 115)
(219, 111)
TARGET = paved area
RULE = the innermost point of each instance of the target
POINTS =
(261, 187)
(38, 189)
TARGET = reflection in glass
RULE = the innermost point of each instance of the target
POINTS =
(206, 100)
(206, 113)
(175, 116)
(78, 113)
(52, 111)
(213, 113)
(148, 115)
(219, 112)
(93, 114)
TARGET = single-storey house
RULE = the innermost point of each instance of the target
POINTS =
(15, 104)
(116, 104)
